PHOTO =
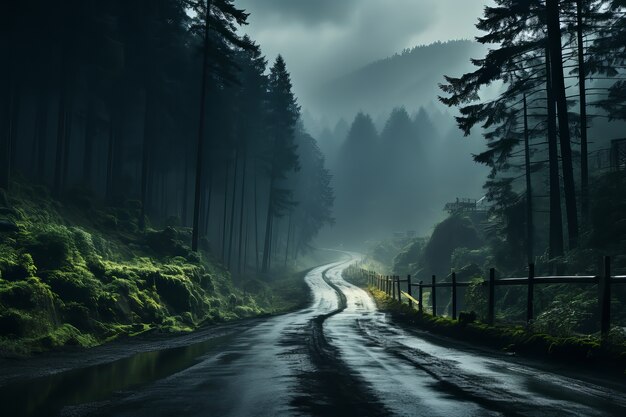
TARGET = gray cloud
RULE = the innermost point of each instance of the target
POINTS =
(324, 39)
(309, 12)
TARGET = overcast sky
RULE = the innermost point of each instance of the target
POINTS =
(322, 39)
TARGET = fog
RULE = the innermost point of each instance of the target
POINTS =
(322, 126)
(169, 168)
(379, 58)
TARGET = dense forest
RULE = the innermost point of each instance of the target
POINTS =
(164, 103)
(547, 98)
(152, 161)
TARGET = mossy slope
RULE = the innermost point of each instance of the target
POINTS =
(76, 274)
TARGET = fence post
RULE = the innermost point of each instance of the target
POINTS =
(454, 296)
(531, 293)
(420, 298)
(433, 295)
(393, 287)
(604, 288)
(492, 293)
(387, 286)
(399, 292)
(408, 282)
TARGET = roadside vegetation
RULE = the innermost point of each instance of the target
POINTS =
(514, 339)
(76, 274)
(471, 243)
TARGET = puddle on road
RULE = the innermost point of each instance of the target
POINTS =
(46, 396)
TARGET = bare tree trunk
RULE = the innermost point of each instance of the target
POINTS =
(42, 131)
(558, 85)
(163, 201)
(69, 123)
(147, 127)
(268, 229)
(246, 244)
(556, 219)
(185, 196)
(288, 237)
(7, 79)
(200, 144)
(224, 220)
(256, 222)
(207, 214)
(529, 193)
(241, 210)
(5, 145)
(61, 119)
(584, 169)
(14, 121)
(111, 146)
(232, 209)
(88, 146)
(275, 241)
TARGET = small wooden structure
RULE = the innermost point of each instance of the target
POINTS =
(463, 205)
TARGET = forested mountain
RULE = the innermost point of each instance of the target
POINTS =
(408, 79)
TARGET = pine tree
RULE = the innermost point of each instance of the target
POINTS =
(221, 17)
(282, 157)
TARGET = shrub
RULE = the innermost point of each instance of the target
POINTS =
(77, 285)
(174, 291)
(476, 297)
(16, 265)
(466, 318)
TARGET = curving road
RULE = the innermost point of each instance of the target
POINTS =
(342, 357)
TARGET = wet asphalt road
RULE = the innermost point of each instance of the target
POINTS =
(342, 357)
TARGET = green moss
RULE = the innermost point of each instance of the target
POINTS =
(64, 335)
(78, 274)
(50, 246)
(15, 265)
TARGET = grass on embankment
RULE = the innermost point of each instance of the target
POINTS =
(73, 273)
(587, 350)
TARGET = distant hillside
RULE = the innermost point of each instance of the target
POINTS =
(408, 79)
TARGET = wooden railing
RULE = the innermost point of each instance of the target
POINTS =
(391, 285)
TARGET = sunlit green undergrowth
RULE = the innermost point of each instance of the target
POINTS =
(78, 275)
(514, 339)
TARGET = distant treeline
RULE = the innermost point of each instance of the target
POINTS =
(397, 179)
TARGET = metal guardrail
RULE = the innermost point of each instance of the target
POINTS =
(390, 284)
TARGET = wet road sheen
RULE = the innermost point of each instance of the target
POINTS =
(342, 357)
